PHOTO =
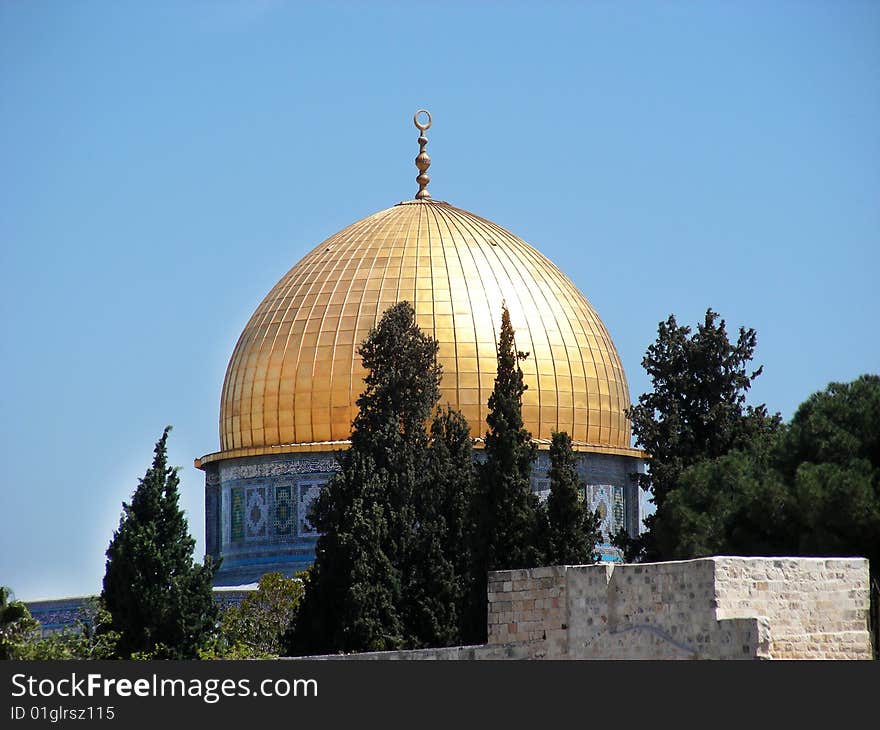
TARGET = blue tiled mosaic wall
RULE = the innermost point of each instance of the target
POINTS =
(257, 508)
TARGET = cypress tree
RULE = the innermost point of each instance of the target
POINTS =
(452, 482)
(506, 516)
(160, 601)
(573, 529)
(438, 583)
(365, 558)
(509, 506)
(353, 590)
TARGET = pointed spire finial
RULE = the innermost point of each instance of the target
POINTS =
(423, 161)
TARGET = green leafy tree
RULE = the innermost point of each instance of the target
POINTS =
(830, 455)
(573, 529)
(735, 504)
(812, 488)
(355, 596)
(160, 601)
(18, 629)
(256, 627)
(94, 637)
(91, 637)
(21, 635)
(695, 411)
(509, 507)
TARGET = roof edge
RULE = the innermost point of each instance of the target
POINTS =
(542, 444)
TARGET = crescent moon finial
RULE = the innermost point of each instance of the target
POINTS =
(423, 161)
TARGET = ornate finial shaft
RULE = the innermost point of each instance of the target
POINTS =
(423, 162)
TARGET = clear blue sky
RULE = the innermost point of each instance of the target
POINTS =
(163, 164)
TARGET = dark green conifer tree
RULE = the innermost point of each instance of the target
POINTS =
(508, 523)
(353, 591)
(160, 601)
(509, 507)
(438, 585)
(573, 529)
(695, 411)
(363, 573)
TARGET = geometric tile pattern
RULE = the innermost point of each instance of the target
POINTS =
(284, 510)
(280, 490)
(256, 512)
(272, 514)
(541, 488)
(308, 492)
(617, 507)
(608, 500)
(237, 532)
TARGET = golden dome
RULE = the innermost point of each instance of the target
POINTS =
(294, 376)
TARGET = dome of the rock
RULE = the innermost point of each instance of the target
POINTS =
(291, 387)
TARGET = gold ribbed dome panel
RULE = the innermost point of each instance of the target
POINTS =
(295, 375)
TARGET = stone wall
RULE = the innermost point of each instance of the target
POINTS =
(656, 611)
(710, 608)
(531, 605)
(817, 608)
(720, 608)
(524, 650)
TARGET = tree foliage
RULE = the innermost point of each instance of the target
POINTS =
(18, 629)
(383, 577)
(727, 478)
(730, 505)
(256, 627)
(830, 458)
(811, 489)
(437, 590)
(510, 507)
(572, 529)
(21, 635)
(353, 589)
(695, 410)
(507, 529)
(90, 637)
(160, 601)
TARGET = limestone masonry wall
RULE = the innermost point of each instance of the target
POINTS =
(524, 650)
(718, 608)
(817, 608)
(710, 608)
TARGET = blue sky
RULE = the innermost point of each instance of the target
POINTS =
(164, 164)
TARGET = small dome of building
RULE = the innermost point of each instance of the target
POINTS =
(295, 375)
